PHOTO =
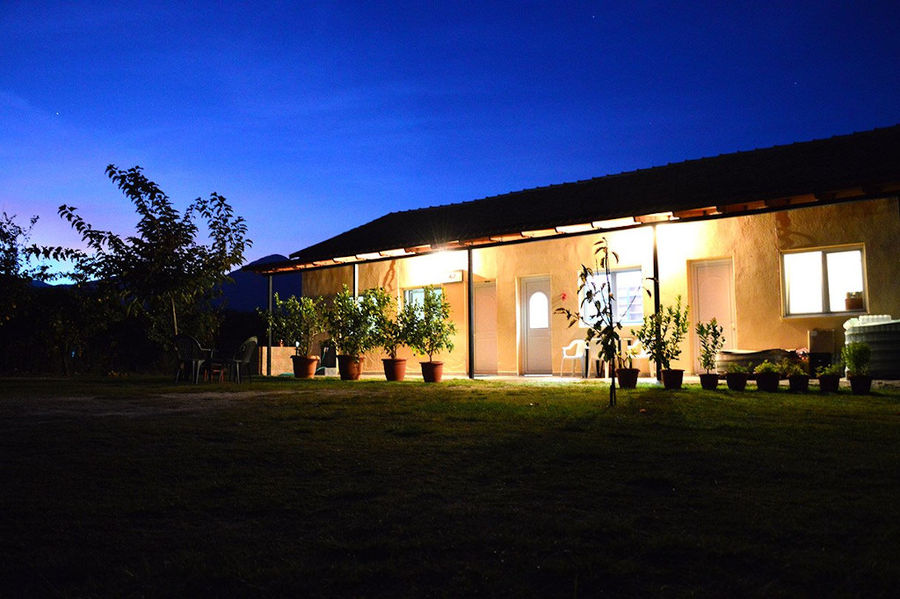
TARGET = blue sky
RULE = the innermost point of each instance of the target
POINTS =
(315, 117)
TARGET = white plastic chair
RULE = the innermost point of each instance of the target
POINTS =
(575, 353)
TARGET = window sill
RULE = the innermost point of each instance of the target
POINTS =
(844, 313)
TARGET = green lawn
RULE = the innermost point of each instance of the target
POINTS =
(283, 487)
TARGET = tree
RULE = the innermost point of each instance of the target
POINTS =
(15, 271)
(596, 310)
(162, 272)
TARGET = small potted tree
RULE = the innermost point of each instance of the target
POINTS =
(830, 377)
(392, 329)
(431, 332)
(662, 334)
(711, 341)
(298, 321)
(857, 357)
(736, 376)
(767, 376)
(596, 313)
(349, 322)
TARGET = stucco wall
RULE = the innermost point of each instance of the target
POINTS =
(753, 243)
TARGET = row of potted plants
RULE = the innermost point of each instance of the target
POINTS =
(855, 359)
(357, 325)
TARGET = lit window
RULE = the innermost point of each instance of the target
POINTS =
(628, 297)
(819, 281)
(417, 295)
(538, 310)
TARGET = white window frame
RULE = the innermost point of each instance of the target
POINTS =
(600, 278)
(826, 299)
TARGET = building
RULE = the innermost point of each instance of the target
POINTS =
(769, 241)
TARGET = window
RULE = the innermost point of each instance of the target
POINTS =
(417, 295)
(628, 297)
(538, 311)
(817, 282)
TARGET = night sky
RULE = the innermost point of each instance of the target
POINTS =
(315, 117)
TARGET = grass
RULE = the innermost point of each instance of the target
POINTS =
(283, 487)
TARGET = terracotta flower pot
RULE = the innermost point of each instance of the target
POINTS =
(709, 381)
(736, 381)
(828, 383)
(798, 383)
(432, 372)
(672, 378)
(305, 366)
(768, 381)
(860, 384)
(349, 367)
(628, 377)
(394, 368)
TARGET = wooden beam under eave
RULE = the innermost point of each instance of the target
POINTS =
(696, 212)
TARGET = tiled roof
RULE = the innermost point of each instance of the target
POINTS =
(869, 160)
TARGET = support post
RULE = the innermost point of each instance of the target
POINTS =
(656, 299)
(470, 317)
(269, 333)
(355, 280)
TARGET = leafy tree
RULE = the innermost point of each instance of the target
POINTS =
(431, 329)
(596, 309)
(296, 320)
(162, 272)
(15, 271)
(350, 321)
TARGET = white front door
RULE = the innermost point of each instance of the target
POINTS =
(713, 284)
(485, 332)
(535, 310)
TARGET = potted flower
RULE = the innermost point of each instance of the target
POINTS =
(299, 321)
(853, 301)
(391, 330)
(830, 377)
(349, 321)
(857, 357)
(628, 375)
(711, 341)
(798, 378)
(736, 376)
(767, 376)
(662, 334)
(431, 331)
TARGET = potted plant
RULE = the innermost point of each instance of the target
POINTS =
(711, 341)
(392, 328)
(628, 375)
(736, 376)
(431, 331)
(798, 378)
(298, 321)
(767, 376)
(349, 321)
(830, 377)
(853, 301)
(662, 334)
(857, 357)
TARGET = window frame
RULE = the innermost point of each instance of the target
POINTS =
(826, 299)
(614, 281)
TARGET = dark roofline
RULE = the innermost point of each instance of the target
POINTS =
(839, 168)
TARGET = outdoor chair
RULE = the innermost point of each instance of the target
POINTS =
(190, 356)
(241, 360)
(574, 352)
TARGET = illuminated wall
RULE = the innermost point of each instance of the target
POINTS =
(752, 242)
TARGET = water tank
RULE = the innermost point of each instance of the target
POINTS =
(882, 334)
